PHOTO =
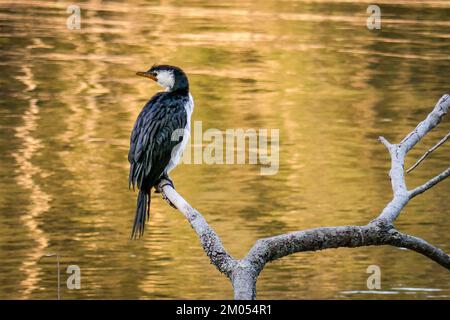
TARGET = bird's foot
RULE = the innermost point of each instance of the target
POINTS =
(165, 181)
(162, 182)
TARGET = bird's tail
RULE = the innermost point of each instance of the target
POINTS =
(142, 214)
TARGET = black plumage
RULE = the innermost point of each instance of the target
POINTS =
(151, 144)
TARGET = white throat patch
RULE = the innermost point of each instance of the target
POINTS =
(166, 79)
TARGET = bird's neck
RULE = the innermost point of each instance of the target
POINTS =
(179, 91)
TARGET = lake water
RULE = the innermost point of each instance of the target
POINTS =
(311, 69)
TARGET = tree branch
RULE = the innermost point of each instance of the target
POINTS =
(430, 183)
(416, 244)
(432, 120)
(244, 273)
(210, 241)
(426, 154)
(398, 153)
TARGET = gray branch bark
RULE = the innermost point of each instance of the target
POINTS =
(243, 273)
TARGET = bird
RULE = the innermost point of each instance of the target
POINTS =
(159, 137)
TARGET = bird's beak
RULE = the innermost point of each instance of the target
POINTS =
(147, 75)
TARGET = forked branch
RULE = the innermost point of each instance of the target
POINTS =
(243, 273)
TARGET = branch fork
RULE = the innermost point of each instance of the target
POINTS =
(243, 273)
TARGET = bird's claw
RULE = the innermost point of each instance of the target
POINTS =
(165, 181)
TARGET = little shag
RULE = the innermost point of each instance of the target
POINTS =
(159, 137)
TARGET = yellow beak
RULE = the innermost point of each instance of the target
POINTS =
(147, 75)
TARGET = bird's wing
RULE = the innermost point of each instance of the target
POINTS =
(152, 142)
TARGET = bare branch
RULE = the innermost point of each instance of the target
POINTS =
(432, 120)
(398, 153)
(244, 273)
(416, 244)
(426, 154)
(386, 143)
(427, 185)
(269, 249)
(209, 239)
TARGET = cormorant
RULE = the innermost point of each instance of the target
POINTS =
(159, 137)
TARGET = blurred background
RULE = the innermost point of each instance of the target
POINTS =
(312, 69)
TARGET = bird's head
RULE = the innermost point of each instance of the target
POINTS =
(169, 77)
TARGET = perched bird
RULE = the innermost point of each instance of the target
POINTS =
(159, 137)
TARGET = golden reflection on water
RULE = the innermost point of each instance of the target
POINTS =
(309, 68)
(39, 200)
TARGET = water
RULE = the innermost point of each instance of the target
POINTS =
(68, 100)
